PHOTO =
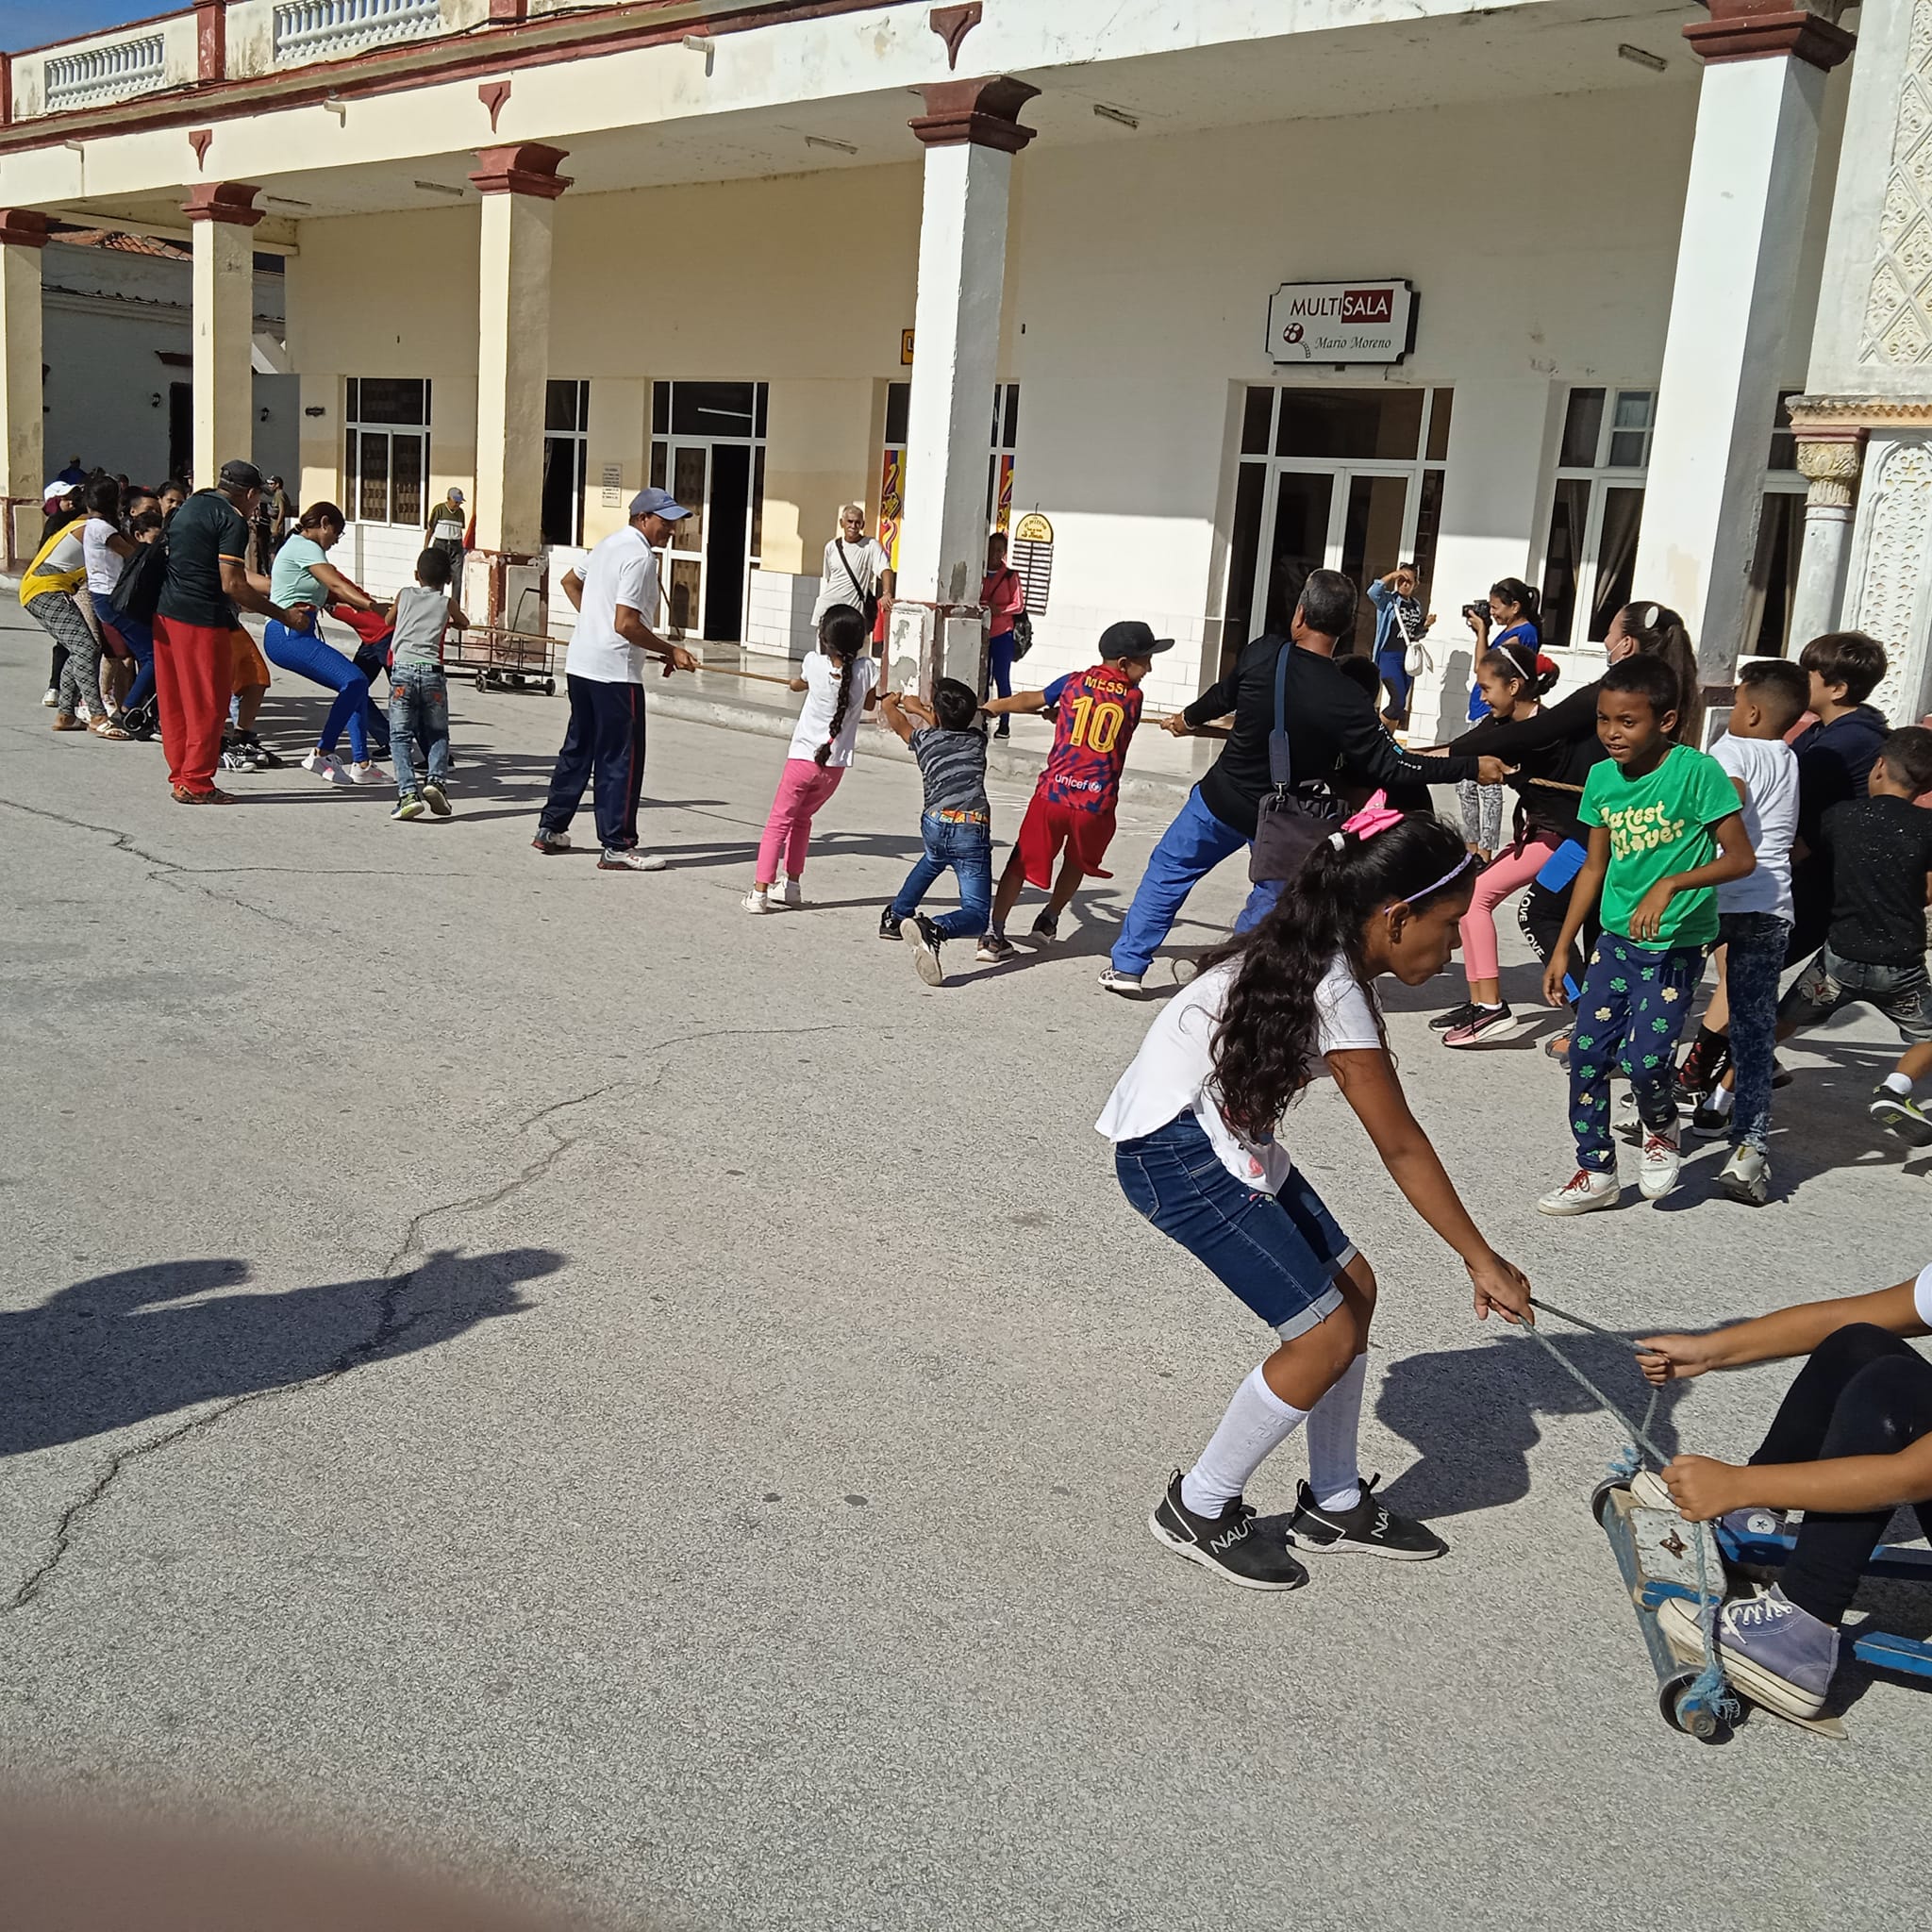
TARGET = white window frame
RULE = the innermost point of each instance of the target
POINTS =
(1602, 476)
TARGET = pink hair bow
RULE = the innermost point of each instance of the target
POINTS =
(1377, 815)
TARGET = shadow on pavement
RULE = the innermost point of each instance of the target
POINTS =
(1474, 1415)
(130, 1346)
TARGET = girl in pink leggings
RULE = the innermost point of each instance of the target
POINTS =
(1512, 685)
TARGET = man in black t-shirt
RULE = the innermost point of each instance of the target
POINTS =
(207, 578)
(1331, 724)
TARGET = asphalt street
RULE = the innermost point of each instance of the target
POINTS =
(543, 1371)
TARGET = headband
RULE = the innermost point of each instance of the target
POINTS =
(1377, 816)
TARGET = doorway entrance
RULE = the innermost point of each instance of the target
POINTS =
(181, 429)
(707, 448)
(1335, 479)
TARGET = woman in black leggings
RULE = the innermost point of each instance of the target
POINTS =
(1851, 1441)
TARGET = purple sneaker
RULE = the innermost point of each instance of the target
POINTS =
(1777, 1655)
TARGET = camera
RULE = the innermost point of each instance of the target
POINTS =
(1480, 612)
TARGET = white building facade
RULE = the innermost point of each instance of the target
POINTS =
(1059, 267)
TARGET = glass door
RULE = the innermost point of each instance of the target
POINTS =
(1360, 522)
(683, 550)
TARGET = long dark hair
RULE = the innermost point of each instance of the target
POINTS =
(1658, 631)
(1266, 1042)
(841, 635)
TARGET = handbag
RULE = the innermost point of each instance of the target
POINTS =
(1286, 829)
(1023, 635)
(137, 591)
(868, 600)
(1415, 658)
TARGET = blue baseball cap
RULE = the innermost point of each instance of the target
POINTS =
(658, 503)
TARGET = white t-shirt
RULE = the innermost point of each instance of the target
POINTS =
(1174, 1071)
(869, 563)
(103, 566)
(620, 569)
(820, 676)
(1769, 769)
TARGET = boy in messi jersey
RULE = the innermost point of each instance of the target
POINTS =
(1072, 805)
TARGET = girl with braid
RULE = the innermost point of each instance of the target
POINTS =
(839, 681)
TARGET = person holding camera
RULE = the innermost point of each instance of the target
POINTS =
(1514, 610)
(1399, 627)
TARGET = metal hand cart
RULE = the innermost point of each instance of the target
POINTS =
(503, 659)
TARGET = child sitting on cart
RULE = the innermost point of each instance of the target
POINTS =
(1851, 1441)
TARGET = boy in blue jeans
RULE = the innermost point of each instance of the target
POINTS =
(418, 691)
(1665, 831)
(955, 823)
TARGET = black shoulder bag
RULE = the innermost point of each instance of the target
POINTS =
(1286, 829)
(868, 600)
(137, 591)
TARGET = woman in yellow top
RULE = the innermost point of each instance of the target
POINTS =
(46, 595)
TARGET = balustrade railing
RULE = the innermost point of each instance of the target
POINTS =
(109, 74)
(317, 29)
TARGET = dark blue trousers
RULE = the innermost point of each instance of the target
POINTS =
(605, 741)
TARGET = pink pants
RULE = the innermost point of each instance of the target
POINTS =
(802, 791)
(1511, 870)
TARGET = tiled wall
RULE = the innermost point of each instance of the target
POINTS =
(779, 617)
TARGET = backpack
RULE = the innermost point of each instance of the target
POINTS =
(137, 591)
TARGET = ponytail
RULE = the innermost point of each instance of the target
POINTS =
(843, 636)
(1658, 631)
(1268, 1039)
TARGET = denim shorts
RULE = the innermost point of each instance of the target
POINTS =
(1279, 1253)
(1828, 982)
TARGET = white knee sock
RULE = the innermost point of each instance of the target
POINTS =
(1256, 1424)
(1334, 1473)
(1898, 1083)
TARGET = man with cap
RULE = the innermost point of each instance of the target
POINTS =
(207, 583)
(616, 602)
(1095, 713)
(1330, 724)
(444, 529)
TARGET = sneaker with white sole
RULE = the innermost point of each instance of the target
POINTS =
(367, 773)
(1586, 1189)
(1746, 1177)
(1772, 1652)
(789, 894)
(1487, 1024)
(1710, 1119)
(1046, 927)
(890, 927)
(1657, 1171)
(550, 841)
(52, 700)
(995, 948)
(1899, 1114)
(758, 900)
(1370, 1528)
(1231, 1544)
(1114, 980)
(1456, 1016)
(923, 936)
(1752, 1522)
(628, 860)
(409, 807)
(436, 799)
(323, 767)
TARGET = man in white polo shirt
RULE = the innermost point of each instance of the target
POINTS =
(616, 600)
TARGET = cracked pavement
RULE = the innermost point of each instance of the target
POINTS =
(539, 1368)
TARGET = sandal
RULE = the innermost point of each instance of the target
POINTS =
(109, 727)
(211, 797)
(1557, 1047)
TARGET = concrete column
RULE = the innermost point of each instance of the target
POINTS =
(23, 235)
(971, 133)
(1830, 457)
(1744, 209)
(221, 214)
(519, 186)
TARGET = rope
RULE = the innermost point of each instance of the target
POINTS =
(1709, 1686)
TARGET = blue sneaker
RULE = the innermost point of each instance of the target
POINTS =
(1772, 1652)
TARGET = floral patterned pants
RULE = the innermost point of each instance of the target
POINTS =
(1634, 1005)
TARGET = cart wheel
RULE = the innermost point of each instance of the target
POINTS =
(550, 687)
(1600, 1496)
(482, 680)
(1682, 1712)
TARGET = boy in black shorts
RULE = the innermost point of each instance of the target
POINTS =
(1879, 852)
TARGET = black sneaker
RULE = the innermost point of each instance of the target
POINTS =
(888, 926)
(1046, 926)
(1371, 1527)
(995, 949)
(1711, 1123)
(265, 761)
(923, 936)
(1230, 1544)
(1456, 1016)
(1700, 1071)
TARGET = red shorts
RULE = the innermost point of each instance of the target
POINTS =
(1049, 825)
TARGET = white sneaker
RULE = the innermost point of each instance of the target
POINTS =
(1746, 1177)
(788, 892)
(610, 859)
(757, 900)
(323, 767)
(367, 773)
(1585, 1190)
(52, 700)
(1657, 1174)
(1120, 982)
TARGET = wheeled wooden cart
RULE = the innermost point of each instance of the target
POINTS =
(503, 659)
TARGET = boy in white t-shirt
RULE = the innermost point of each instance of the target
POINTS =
(840, 682)
(1754, 924)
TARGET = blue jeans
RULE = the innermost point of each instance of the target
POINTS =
(1189, 849)
(1829, 981)
(1755, 955)
(1393, 667)
(139, 639)
(1279, 1253)
(999, 662)
(967, 851)
(1633, 1007)
(304, 653)
(418, 709)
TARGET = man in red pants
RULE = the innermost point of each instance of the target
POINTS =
(207, 582)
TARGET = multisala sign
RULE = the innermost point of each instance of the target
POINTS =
(1342, 322)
